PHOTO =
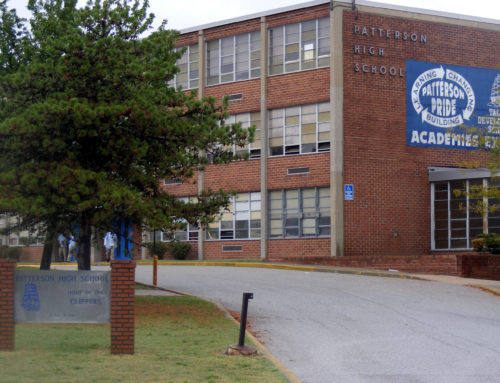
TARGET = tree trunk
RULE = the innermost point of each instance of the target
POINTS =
(48, 247)
(84, 243)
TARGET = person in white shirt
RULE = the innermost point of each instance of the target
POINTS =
(71, 248)
(63, 247)
(110, 244)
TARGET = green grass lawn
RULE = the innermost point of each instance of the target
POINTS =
(177, 340)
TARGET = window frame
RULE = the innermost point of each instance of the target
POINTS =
(191, 55)
(218, 232)
(248, 119)
(280, 45)
(293, 216)
(453, 223)
(287, 125)
(216, 74)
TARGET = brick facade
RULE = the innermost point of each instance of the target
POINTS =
(390, 178)
(122, 307)
(483, 266)
(388, 223)
(7, 327)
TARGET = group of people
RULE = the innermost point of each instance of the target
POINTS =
(67, 246)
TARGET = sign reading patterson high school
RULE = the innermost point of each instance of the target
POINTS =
(450, 106)
(62, 296)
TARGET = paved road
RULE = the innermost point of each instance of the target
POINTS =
(329, 328)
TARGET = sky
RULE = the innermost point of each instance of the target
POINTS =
(182, 14)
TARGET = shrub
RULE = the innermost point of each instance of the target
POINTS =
(180, 250)
(10, 252)
(157, 248)
(491, 242)
(478, 245)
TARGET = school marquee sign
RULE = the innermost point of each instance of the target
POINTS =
(56, 296)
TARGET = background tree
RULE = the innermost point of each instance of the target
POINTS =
(89, 126)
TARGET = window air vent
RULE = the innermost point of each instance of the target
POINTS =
(173, 181)
(236, 97)
(227, 248)
(293, 171)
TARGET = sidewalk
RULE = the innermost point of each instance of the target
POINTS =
(485, 284)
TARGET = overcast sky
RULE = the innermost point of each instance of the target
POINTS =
(182, 14)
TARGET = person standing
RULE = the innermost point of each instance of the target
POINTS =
(110, 244)
(63, 247)
(71, 248)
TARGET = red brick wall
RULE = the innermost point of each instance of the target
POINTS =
(122, 307)
(391, 187)
(479, 266)
(250, 250)
(298, 248)
(390, 214)
(241, 176)
(232, 29)
(7, 327)
(249, 89)
(31, 254)
(298, 88)
(298, 15)
(319, 171)
(429, 264)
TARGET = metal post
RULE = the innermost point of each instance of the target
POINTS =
(155, 270)
(243, 321)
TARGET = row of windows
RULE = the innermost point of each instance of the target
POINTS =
(234, 58)
(293, 213)
(299, 46)
(455, 221)
(299, 213)
(292, 47)
(294, 130)
(299, 129)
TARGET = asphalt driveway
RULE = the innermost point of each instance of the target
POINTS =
(329, 328)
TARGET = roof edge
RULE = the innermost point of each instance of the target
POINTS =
(364, 3)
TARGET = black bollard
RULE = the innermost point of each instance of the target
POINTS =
(240, 348)
(243, 320)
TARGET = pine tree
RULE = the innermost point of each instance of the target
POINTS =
(89, 126)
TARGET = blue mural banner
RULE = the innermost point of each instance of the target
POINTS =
(452, 107)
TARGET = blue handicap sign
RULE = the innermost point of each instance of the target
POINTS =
(349, 192)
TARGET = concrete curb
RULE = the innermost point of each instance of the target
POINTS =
(261, 348)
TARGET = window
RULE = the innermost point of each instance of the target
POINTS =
(247, 120)
(295, 213)
(234, 58)
(241, 219)
(299, 46)
(187, 77)
(190, 233)
(455, 221)
(299, 129)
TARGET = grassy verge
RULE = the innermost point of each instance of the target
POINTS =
(178, 340)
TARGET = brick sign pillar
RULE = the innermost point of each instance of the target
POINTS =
(122, 307)
(7, 267)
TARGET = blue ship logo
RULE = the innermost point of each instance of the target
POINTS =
(31, 300)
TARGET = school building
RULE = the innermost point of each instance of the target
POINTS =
(364, 114)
